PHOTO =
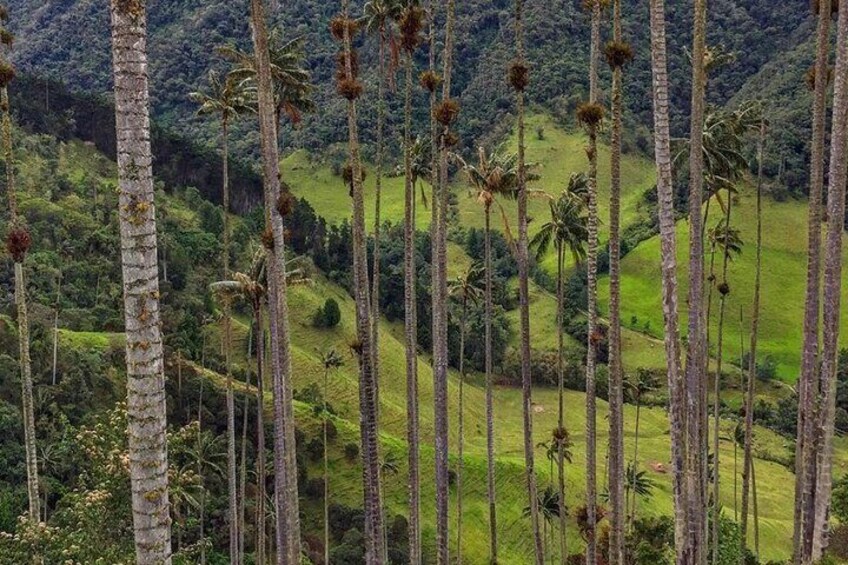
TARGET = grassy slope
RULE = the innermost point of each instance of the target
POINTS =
(783, 282)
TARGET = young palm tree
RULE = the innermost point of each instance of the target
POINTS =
(808, 381)
(285, 465)
(668, 245)
(494, 176)
(465, 288)
(18, 243)
(290, 79)
(519, 76)
(832, 287)
(226, 100)
(644, 383)
(350, 88)
(145, 371)
(567, 230)
(618, 55)
(330, 361)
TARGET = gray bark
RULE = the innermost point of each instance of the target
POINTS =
(145, 371)
(668, 259)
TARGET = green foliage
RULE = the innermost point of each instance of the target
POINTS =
(328, 316)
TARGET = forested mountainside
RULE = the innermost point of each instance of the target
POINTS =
(184, 35)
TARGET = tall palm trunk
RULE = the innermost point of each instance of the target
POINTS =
(56, 326)
(490, 412)
(460, 431)
(694, 375)
(375, 279)
(145, 372)
(232, 498)
(440, 316)
(326, 470)
(747, 462)
(832, 287)
(260, 432)
(411, 328)
(243, 471)
(592, 268)
(28, 415)
(616, 378)
(668, 258)
(563, 518)
(367, 393)
(285, 464)
(524, 295)
(808, 385)
(717, 380)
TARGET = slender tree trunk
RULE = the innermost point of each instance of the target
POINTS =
(668, 244)
(524, 301)
(56, 326)
(440, 316)
(695, 385)
(616, 377)
(563, 518)
(756, 510)
(832, 287)
(285, 465)
(411, 328)
(490, 412)
(326, 473)
(748, 463)
(232, 511)
(808, 382)
(202, 511)
(145, 371)
(368, 401)
(717, 383)
(243, 472)
(460, 421)
(28, 414)
(260, 433)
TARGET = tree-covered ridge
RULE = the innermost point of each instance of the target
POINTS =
(183, 36)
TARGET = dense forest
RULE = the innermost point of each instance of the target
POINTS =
(423, 282)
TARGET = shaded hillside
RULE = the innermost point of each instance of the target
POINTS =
(183, 36)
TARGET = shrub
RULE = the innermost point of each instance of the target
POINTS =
(351, 451)
(328, 316)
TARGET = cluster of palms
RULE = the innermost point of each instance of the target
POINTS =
(271, 82)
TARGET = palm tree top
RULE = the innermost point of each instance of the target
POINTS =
(468, 285)
(568, 225)
(226, 97)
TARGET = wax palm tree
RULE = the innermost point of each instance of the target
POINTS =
(466, 288)
(493, 177)
(291, 81)
(519, 78)
(209, 453)
(446, 113)
(285, 464)
(808, 386)
(18, 243)
(618, 54)
(696, 343)
(567, 232)
(668, 244)
(226, 100)
(416, 165)
(643, 383)
(330, 361)
(638, 482)
(550, 509)
(832, 280)
(590, 115)
(378, 16)
(146, 414)
(350, 88)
